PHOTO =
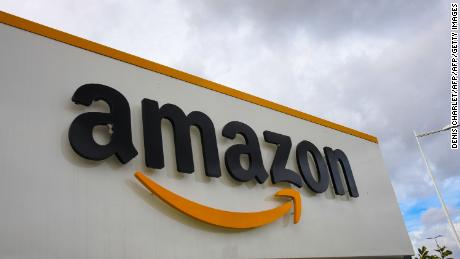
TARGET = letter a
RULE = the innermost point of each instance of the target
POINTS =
(81, 130)
(251, 149)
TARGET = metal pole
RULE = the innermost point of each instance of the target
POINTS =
(441, 200)
(436, 240)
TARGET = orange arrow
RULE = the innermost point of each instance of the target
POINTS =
(222, 218)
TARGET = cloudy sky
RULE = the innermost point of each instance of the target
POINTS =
(381, 67)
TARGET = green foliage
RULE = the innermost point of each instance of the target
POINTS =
(443, 252)
(423, 253)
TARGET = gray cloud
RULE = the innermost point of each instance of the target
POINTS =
(324, 20)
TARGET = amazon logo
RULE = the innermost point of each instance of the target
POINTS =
(332, 167)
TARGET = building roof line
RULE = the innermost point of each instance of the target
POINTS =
(103, 50)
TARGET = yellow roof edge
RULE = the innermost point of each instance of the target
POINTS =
(75, 41)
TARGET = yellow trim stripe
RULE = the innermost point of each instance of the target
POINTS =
(78, 42)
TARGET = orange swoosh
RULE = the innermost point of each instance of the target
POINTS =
(222, 218)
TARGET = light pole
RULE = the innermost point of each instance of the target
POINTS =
(435, 239)
(428, 169)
